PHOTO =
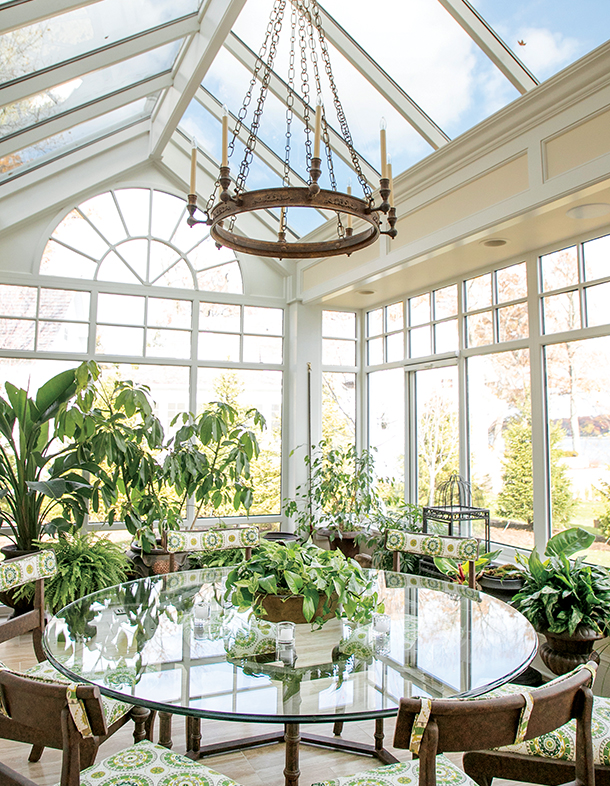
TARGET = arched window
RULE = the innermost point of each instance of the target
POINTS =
(139, 236)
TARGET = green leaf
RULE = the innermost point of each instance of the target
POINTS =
(568, 542)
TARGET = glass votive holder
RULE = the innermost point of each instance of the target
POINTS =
(381, 623)
(201, 613)
(285, 634)
(286, 654)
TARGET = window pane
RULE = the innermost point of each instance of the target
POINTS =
(168, 343)
(58, 259)
(561, 312)
(338, 353)
(513, 322)
(419, 309)
(17, 334)
(446, 336)
(437, 430)
(480, 331)
(17, 301)
(419, 340)
(170, 313)
(244, 389)
(217, 316)
(598, 299)
(62, 337)
(338, 324)
(64, 304)
(577, 382)
(395, 347)
(263, 320)
(445, 302)
(512, 282)
(224, 278)
(30, 373)
(120, 309)
(596, 254)
(119, 340)
(394, 317)
(375, 322)
(338, 408)
(500, 444)
(258, 349)
(386, 403)
(478, 292)
(375, 351)
(218, 346)
(559, 269)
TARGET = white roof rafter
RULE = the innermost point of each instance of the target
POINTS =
(19, 14)
(491, 43)
(216, 23)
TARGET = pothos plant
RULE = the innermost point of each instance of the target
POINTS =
(340, 494)
(306, 570)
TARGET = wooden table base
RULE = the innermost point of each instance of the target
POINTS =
(293, 738)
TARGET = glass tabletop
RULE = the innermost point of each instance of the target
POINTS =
(173, 643)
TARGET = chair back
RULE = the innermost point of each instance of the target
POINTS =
(190, 540)
(30, 709)
(432, 726)
(461, 549)
(16, 572)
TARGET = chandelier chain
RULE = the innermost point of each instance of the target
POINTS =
(290, 95)
(305, 90)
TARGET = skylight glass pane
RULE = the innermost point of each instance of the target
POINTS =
(548, 35)
(54, 145)
(70, 95)
(77, 32)
(431, 57)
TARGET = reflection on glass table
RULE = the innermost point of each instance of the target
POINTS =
(173, 643)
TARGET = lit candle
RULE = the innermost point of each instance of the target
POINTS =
(225, 136)
(381, 623)
(282, 221)
(382, 144)
(391, 182)
(193, 166)
(285, 632)
(317, 128)
(349, 193)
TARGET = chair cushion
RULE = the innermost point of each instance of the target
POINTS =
(211, 539)
(403, 773)
(147, 764)
(113, 709)
(15, 572)
(432, 545)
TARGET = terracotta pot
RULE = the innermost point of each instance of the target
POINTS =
(561, 652)
(7, 598)
(289, 608)
(343, 541)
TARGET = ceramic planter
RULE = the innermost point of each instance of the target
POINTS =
(561, 652)
(289, 608)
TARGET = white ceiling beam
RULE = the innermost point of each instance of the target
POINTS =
(20, 14)
(279, 88)
(490, 42)
(43, 80)
(382, 82)
(63, 122)
(216, 23)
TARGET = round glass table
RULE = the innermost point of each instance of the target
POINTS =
(173, 644)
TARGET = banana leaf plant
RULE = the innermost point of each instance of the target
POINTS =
(43, 488)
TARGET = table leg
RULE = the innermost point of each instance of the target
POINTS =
(292, 737)
(379, 735)
(193, 734)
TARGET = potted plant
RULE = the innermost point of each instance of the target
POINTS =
(398, 515)
(339, 500)
(568, 601)
(301, 583)
(42, 486)
(459, 571)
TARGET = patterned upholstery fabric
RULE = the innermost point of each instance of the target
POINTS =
(257, 639)
(147, 764)
(40, 565)
(432, 545)
(358, 643)
(403, 774)
(212, 539)
(400, 580)
(113, 709)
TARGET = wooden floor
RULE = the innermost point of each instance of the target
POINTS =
(254, 767)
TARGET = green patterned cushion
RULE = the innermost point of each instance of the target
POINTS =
(19, 571)
(432, 545)
(404, 773)
(113, 709)
(401, 580)
(358, 643)
(147, 764)
(212, 539)
(257, 639)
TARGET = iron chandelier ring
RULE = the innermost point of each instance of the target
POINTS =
(287, 197)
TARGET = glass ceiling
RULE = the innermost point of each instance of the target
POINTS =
(50, 78)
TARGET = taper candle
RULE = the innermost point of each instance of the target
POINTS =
(193, 166)
(317, 129)
(382, 144)
(349, 215)
(225, 136)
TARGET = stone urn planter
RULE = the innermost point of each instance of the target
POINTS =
(561, 652)
(289, 608)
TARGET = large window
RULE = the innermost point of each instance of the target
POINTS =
(339, 355)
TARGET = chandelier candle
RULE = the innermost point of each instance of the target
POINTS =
(193, 165)
(225, 136)
(391, 197)
(317, 129)
(382, 145)
(349, 215)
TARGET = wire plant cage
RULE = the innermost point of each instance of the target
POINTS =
(454, 509)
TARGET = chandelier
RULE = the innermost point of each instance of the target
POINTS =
(230, 198)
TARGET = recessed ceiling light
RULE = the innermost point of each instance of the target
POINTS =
(365, 291)
(593, 210)
(494, 242)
